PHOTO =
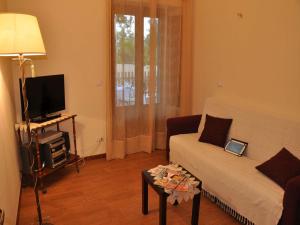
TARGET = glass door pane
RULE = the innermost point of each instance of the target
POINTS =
(146, 68)
(125, 82)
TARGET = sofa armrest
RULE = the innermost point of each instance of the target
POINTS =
(181, 125)
(291, 203)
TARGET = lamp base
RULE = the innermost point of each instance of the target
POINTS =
(45, 221)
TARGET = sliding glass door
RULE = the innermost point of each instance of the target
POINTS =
(146, 73)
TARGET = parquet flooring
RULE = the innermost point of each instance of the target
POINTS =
(109, 193)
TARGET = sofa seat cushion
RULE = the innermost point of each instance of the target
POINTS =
(234, 180)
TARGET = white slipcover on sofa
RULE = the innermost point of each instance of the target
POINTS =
(232, 179)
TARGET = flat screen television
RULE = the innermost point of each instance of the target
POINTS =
(45, 94)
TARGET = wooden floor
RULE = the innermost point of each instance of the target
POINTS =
(109, 193)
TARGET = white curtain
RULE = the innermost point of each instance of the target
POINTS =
(150, 76)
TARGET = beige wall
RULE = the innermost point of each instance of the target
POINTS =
(2, 5)
(74, 36)
(9, 162)
(9, 157)
(256, 58)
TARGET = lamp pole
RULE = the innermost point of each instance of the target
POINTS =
(22, 62)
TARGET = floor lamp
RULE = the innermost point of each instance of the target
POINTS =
(20, 37)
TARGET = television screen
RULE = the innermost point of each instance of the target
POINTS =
(45, 94)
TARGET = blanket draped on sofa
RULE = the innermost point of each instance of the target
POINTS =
(291, 200)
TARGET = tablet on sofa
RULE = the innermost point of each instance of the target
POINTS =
(236, 147)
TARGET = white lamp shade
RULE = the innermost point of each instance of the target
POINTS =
(20, 34)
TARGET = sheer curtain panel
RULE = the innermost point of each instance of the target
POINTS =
(149, 79)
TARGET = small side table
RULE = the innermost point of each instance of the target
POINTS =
(147, 179)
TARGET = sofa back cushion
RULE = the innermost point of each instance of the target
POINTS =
(215, 130)
(266, 133)
(281, 167)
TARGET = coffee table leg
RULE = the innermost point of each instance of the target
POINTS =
(144, 196)
(196, 206)
(162, 209)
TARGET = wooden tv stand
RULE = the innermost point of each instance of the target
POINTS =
(35, 128)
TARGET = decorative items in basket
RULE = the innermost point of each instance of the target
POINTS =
(177, 182)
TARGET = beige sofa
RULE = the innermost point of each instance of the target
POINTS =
(232, 179)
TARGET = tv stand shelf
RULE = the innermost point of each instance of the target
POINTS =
(35, 128)
(47, 171)
(45, 119)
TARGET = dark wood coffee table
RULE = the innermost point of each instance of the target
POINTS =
(147, 179)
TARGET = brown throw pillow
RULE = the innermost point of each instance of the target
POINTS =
(215, 130)
(281, 167)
